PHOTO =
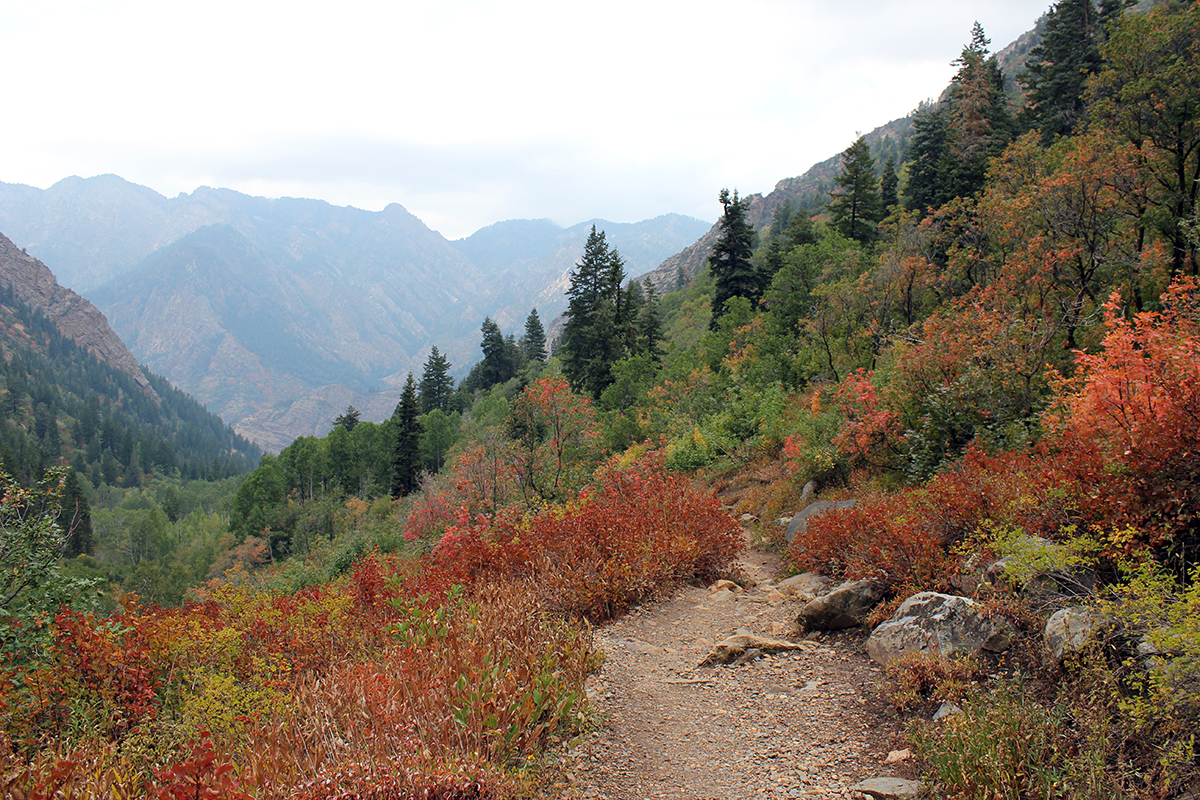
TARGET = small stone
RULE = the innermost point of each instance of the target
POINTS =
(887, 788)
(947, 710)
(896, 756)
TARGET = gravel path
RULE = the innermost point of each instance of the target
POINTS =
(805, 723)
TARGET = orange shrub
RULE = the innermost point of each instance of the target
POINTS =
(639, 529)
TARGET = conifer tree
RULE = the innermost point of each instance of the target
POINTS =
(855, 209)
(598, 315)
(733, 273)
(534, 341)
(437, 387)
(979, 125)
(348, 418)
(1057, 69)
(406, 461)
(887, 184)
(499, 358)
(927, 158)
(649, 322)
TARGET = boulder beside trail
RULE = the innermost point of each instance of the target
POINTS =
(939, 624)
(799, 521)
(807, 585)
(844, 606)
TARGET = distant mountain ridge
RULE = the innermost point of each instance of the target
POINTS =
(271, 311)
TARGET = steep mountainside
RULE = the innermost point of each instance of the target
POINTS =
(72, 392)
(76, 319)
(809, 192)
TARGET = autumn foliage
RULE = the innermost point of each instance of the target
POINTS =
(436, 677)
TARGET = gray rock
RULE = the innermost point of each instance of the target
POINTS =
(944, 624)
(1068, 631)
(799, 522)
(807, 585)
(844, 606)
(887, 788)
(945, 711)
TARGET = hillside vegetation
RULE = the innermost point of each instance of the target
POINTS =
(988, 340)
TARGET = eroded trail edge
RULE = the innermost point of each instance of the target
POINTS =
(801, 723)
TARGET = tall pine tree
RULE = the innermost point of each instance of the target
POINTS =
(1057, 69)
(437, 387)
(534, 341)
(406, 461)
(733, 273)
(855, 208)
(598, 317)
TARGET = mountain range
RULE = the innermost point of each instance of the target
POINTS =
(279, 313)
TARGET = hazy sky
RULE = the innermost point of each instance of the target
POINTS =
(465, 112)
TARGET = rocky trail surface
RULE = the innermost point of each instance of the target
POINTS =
(800, 723)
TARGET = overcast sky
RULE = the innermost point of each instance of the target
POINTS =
(469, 112)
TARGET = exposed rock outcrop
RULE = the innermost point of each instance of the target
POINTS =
(75, 318)
(799, 521)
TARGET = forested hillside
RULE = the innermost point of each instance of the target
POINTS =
(988, 338)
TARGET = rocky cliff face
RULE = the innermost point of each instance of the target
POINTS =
(75, 317)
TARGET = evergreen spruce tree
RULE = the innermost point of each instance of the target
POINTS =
(499, 356)
(855, 208)
(534, 341)
(75, 517)
(1057, 69)
(979, 125)
(733, 273)
(927, 157)
(649, 321)
(598, 317)
(406, 461)
(887, 185)
(437, 387)
(347, 419)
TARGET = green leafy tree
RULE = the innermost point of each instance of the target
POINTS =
(855, 209)
(437, 387)
(1148, 93)
(407, 456)
(734, 275)
(259, 498)
(31, 540)
(439, 433)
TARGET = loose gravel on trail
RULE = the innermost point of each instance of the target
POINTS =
(799, 724)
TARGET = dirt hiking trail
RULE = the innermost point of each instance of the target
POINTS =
(801, 724)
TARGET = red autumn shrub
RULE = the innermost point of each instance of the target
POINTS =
(639, 529)
(905, 538)
(1128, 422)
